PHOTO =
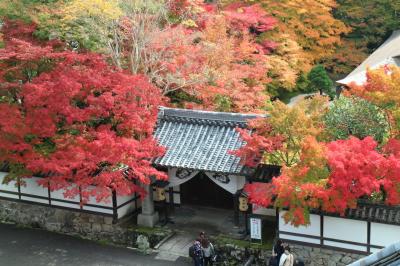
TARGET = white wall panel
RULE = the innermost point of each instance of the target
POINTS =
(10, 196)
(10, 186)
(45, 201)
(177, 197)
(64, 204)
(373, 250)
(31, 187)
(346, 246)
(312, 229)
(128, 208)
(299, 238)
(95, 209)
(345, 229)
(106, 202)
(59, 194)
(384, 234)
(123, 199)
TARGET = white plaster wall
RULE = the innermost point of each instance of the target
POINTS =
(7, 195)
(299, 238)
(345, 229)
(8, 187)
(95, 209)
(123, 199)
(126, 209)
(122, 211)
(33, 188)
(373, 250)
(344, 245)
(59, 194)
(106, 202)
(312, 229)
(177, 197)
(384, 234)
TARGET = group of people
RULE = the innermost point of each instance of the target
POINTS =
(203, 254)
(202, 251)
(281, 255)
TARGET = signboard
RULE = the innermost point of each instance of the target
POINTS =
(255, 228)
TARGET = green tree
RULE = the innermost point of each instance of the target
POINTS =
(320, 81)
(372, 21)
(353, 116)
(302, 83)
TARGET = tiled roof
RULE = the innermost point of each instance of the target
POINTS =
(387, 54)
(200, 140)
(379, 213)
(389, 256)
(373, 212)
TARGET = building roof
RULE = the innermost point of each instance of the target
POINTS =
(387, 54)
(373, 212)
(200, 140)
(388, 256)
(379, 213)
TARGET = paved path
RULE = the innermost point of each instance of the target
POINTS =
(177, 246)
(294, 100)
(29, 247)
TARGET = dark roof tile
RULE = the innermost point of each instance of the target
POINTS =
(200, 140)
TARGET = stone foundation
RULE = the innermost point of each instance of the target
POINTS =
(100, 228)
(235, 255)
(80, 224)
(323, 257)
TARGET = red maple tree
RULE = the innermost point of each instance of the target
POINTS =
(75, 119)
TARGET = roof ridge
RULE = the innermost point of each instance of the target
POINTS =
(206, 115)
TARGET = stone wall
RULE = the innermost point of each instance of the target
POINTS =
(80, 224)
(234, 255)
(100, 228)
(323, 257)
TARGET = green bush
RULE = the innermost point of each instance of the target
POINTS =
(356, 117)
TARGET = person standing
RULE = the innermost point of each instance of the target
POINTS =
(197, 253)
(208, 252)
(277, 252)
(202, 235)
(287, 258)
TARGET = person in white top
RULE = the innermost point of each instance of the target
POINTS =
(286, 258)
(208, 252)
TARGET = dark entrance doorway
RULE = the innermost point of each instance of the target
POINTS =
(200, 190)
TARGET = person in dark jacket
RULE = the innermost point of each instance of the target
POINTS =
(277, 252)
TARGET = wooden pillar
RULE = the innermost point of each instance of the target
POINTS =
(236, 209)
(171, 198)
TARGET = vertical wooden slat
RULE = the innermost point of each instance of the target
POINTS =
(236, 209)
(322, 229)
(369, 237)
(171, 197)
(277, 222)
(115, 206)
(48, 192)
(80, 198)
(19, 187)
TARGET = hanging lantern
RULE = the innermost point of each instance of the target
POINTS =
(160, 194)
(243, 203)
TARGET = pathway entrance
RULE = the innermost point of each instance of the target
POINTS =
(202, 191)
(189, 221)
